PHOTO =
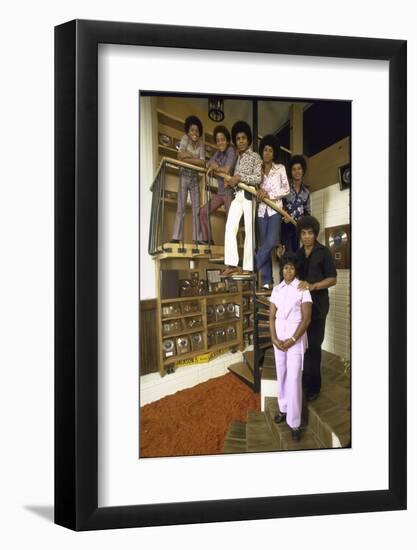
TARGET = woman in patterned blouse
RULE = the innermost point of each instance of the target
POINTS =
(297, 203)
(274, 186)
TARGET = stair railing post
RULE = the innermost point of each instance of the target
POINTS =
(256, 373)
(161, 206)
(208, 189)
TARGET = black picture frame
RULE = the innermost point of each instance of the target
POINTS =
(76, 271)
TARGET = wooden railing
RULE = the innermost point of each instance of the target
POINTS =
(155, 244)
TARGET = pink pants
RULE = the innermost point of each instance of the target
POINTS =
(289, 365)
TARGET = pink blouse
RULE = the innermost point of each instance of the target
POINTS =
(277, 186)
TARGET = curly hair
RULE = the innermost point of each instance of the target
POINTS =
(221, 130)
(287, 258)
(298, 159)
(272, 141)
(241, 126)
(189, 121)
(308, 222)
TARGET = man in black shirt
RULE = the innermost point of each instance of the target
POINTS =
(317, 273)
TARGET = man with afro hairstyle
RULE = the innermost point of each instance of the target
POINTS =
(248, 169)
(192, 151)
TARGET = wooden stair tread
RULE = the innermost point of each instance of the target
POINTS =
(264, 334)
(263, 301)
(264, 314)
(243, 371)
(259, 436)
(265, 345)
(263, 293)
(235, 440)
(269, 373)
(250, 358)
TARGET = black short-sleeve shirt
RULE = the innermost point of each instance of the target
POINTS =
(318, 266)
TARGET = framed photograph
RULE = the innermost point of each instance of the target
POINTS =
(124, 95)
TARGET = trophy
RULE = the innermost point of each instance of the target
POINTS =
(210, 314)
(211, 338)
(172, 326)
(230, 311)
(186, 288)
(168, 348)
(190, 307)
(201, 287)
(220, 312)
(220, 335)
(197, 341)
(183, 345)
(193, 322)
(171, 309)
(231, 333)
(231, 285)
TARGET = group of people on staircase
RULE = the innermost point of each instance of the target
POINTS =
(300, 302)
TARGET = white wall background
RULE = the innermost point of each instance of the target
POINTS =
(26, 277)
(331, 207)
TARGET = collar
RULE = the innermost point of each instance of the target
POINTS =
(275, 166)
(294, 283)
(316, 246)
(302, 188)
(248, 150)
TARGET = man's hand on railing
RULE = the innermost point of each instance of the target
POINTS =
(261, 194)
(280, 251)
(231, 181)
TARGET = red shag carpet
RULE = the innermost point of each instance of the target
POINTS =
(195, 421)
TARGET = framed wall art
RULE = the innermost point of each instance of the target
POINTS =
(166, 402)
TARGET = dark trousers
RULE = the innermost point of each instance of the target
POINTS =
(312, 357)
(289, 237)
(268, 232)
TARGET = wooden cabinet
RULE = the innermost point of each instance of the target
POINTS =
(190, 327)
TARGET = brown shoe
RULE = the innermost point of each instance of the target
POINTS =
(230, 270)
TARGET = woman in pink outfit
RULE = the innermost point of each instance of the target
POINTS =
(289, 317)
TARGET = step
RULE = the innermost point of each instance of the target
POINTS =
(242, 276)
(333, 362)
(243, 371)
(263, 324)
(282, 431)
(263, 302)
(269, 358)
(269, 372)
(235, 440)
(265, 345)
(250, 358)
(329, 415)
(263, 292)
(259, 436)
(263, 334)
